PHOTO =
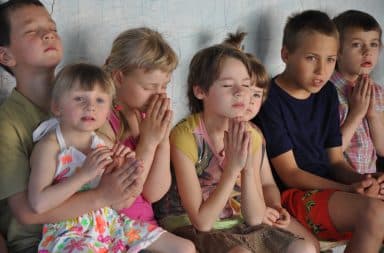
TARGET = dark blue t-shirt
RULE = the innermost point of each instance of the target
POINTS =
(306, 126)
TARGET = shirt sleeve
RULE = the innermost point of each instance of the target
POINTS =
(334, 138)
(379, 95)
(183, 139)
(271, 122)
(14, 161)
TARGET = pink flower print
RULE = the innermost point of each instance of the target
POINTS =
(75, 246)
(62, 175)
(43, 251)
(66, 159)
(107, 239)
(118, 247)
(77, 229)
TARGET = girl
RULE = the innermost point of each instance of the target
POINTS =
(276, 215)
(81, 102)
(210, 151)
(141, 63)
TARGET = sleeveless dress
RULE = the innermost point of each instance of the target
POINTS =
(141, 209)
(102, 230)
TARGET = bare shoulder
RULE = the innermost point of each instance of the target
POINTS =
(106, 133)
(48, 145)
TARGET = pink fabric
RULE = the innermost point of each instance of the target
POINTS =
(141, 209)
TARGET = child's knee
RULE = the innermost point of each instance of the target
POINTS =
(373, 212)
(185, 246)
(301, 246)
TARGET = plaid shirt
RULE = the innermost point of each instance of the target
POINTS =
(360, 153)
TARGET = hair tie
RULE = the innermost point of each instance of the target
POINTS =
(118, 107)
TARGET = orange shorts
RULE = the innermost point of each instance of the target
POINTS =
(310, 208)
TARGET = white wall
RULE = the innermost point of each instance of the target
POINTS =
(88, 27)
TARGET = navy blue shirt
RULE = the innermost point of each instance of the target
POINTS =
(306, 126)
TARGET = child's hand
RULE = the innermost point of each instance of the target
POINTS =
(284, 218)
(271, 216)
(360, 97)
(156, 124)
(369, 187)
(236, 145)
(122, 183)
(120, 153)
(372, 112)
(96, 162)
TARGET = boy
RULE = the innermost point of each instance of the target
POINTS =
(30, 49)
(361, 100)
(301, 125)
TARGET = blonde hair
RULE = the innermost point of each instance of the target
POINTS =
(82, 75)
(259, 72)
(140, 48)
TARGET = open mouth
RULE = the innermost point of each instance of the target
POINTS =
(87, 118)
(366, 64)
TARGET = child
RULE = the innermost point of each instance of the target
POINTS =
(30, 49)
(82, 97)
(361, 100)
(300, 122)
(210, 150)
(276, 214)
(141, 63)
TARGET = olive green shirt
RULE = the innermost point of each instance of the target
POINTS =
(18, 118)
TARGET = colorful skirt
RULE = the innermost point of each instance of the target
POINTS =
(99, 231)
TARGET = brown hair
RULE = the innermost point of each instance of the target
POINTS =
(5, 27)
(205, 68)
(259, 73)
(85, 76)
(356, 19)
(307, 21)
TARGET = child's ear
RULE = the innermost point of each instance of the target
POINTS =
(55, 108)
(117, 77)
(284, 54)
(198, 92)
(6, 57)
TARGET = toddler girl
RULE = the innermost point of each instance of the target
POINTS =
(71, 157)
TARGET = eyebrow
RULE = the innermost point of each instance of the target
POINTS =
(29, 21)
(230, 79)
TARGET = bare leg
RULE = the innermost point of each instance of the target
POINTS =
(171, 243)
(301, 246)
(298, 229)
(361, 215)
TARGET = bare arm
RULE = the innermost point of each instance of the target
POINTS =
(153, 148)
(114, 188)
(341, 170)
(270, 191)
(358, 102)
(252, 200)
(376, 124)
(42, 193)
(159, 177)
(289, 172)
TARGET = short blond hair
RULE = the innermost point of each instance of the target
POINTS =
(140, 48)
(82, 75)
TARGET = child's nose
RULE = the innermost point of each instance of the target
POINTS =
(90, 106)
(366, 50)
(320, 68)
(48, 36)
